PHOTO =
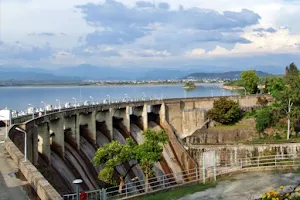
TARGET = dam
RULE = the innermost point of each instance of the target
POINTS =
(61, 144)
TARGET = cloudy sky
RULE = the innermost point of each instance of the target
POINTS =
(168, 34)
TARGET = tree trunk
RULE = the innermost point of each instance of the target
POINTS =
(122, 182)
(147, 179)
(289, 119)
(289, 129)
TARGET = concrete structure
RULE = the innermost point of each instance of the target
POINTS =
(183, 115)
(179, 117)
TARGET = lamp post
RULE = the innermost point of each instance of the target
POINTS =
(92, 99)
(44, 106)
(144, 96)
(75, 102)
(25, 142)
(126, 97)
(212, 93)
(32, 110)
(77, 182)
(108, 98)
(58, 104)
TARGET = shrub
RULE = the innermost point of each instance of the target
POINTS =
(263, 119)
(225, 111)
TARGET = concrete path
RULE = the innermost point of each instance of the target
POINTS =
(246, 186)
(10, 185)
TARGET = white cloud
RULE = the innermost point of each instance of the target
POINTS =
(50, 31)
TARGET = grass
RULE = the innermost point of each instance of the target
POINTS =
(229, 127)
(178, 192)
(274, 141)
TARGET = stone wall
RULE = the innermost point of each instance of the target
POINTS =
(230, 154)
(185, 116)
(243, 131)
(43, 188)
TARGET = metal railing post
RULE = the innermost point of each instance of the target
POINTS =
(275, 161)
(258, 161)
(197, 178)
(163, 181)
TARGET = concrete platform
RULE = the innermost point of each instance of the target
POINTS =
(11, 188)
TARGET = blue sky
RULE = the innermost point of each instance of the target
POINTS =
(170, 33)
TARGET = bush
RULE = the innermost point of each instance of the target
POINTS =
(263, 119)
(277, 136)
(225, 111)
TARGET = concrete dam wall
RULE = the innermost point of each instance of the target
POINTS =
(65, 142)
(228, 155)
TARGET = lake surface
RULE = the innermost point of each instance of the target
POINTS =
(18, 98)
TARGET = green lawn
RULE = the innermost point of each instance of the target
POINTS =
(178, 192)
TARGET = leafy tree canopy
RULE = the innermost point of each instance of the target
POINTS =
(225, 111)
(250, 81)
(112, 155)
(274, 85)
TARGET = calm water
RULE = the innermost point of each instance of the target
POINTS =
(18, 98)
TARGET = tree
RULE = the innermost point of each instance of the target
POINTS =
(274, 85)
(289, 98)
(263, 119)
(250, 81)
(150, 151)
(225, 111)
(112, 155)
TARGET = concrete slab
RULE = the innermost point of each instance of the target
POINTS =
(11, 188)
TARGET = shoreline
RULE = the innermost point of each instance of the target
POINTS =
(106, 85)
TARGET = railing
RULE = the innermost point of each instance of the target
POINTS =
(137, 188)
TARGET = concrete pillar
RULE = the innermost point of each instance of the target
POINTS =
(162, 113)
(77, 130)
(126, 118)
(57, 137)
(44, 142)
(145, 116)
(89, 119)
(109, 122)
(32, 142)
(92, 126)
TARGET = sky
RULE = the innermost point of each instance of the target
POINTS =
(202, 34)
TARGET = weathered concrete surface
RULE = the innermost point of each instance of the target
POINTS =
(42, 187)
(244, 131)
(10, 186)
(231, 154)
(246, 186)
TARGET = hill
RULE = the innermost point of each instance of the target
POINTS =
(222, 75)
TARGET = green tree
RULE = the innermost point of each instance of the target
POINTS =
(263, 119)
(250, 81)
(150, 151)
(274, 85)
(225, 111)
(112, 155)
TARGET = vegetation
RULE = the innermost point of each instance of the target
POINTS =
(189, 85)
(250, 81)
(179, 192)
(263, 119)
(116, 154)
(150, 151)
(289, 194)
(112, 155)
(225, 111)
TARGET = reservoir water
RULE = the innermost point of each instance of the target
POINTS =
(18, 98)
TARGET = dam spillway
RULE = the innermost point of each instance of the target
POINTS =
(67, 139)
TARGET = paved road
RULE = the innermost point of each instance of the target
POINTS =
(10, 186)
(246, 186)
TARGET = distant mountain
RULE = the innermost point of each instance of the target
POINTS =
(222, 75)
(26, 74)
(90, 72)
